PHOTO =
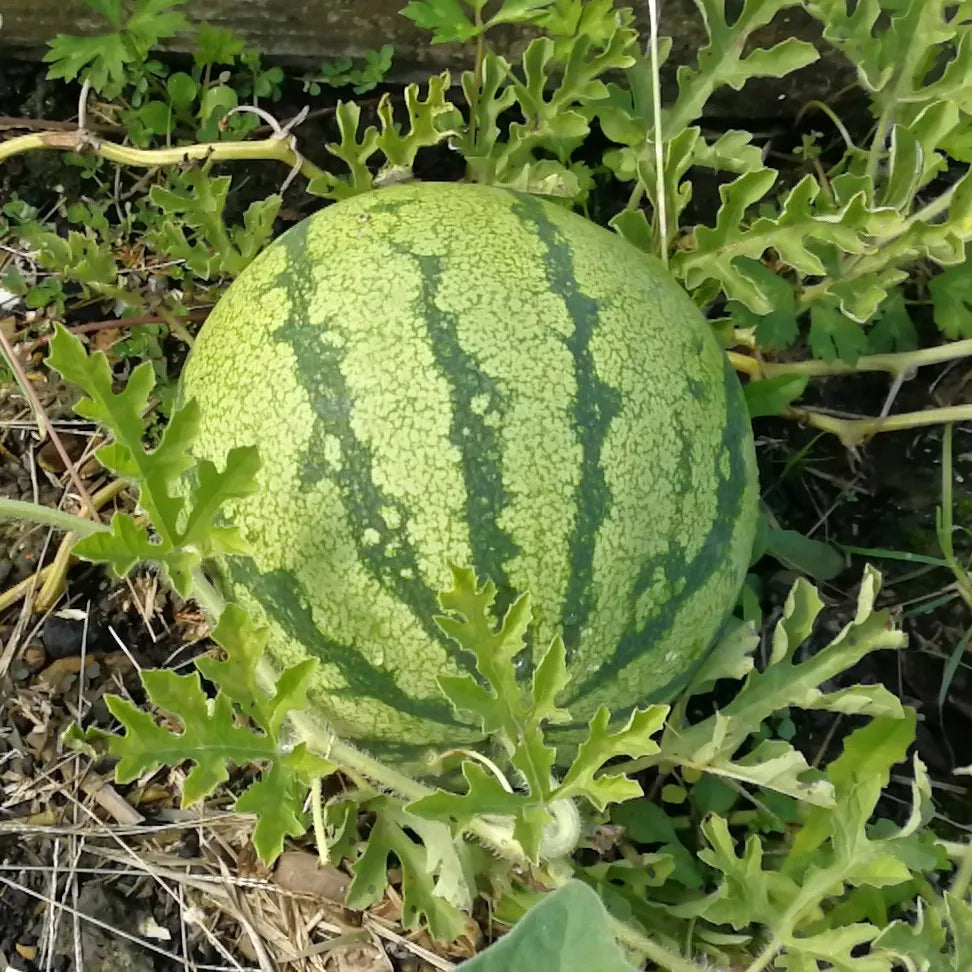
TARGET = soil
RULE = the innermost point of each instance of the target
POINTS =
(882, 495)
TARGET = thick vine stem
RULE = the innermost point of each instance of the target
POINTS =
(901, 363)
(46, 516)
(272, 148)
(654, 952)
(853, 432)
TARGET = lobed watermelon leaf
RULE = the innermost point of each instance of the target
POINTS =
(514, 714)
(213, 738)
(555, 85)
(184, 530)
(840, 238)
(421, 897)
(487, 796)
(709, 746)
(633, 740)
(195, 202)
(429, 122)
(836, 847)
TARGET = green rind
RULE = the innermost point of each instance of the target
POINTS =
(453, 373)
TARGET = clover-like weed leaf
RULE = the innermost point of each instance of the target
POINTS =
(445, 18)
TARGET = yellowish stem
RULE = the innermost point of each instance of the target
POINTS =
(80, 141)
(894, 364)
(852, 432)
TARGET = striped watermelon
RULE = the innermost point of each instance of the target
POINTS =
(440, 373)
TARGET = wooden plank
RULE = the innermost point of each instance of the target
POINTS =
(305, 32)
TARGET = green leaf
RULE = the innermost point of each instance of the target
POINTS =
(746, 888)
(276, 800)
(109, 9)
(419, 898)
(568, 931)
(445, 18)
(806, 225)
(649, 824)
(185, 526)
(951, 293)
(812, 557)
(959, 915)
(198, 233)
(485, 795)
(79, 257)
(633, 740)
(342, 71)
(105, 59)
(100, 59)
(210, 737)
(430, 122)
(892, 329)
(771, 396)
(182, 89)
(214, 45)
(156, 116)
(959, 143)
(210, 491)
(709, 745)
(121, 414)
(858, 777)
(633, 225)
(470, 624)
(557, 85)
(216, 102)
(833, 336)
(778, 328)
(153, 20)
(213, 737)
(520, 11)
(921, 941)
(840, 948)
(799, 894)
(126, 545)
(721, 61)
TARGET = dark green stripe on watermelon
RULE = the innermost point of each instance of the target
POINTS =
(364, 681)
(478, 443)
(731, 500)
(392, 561)
(596, 405)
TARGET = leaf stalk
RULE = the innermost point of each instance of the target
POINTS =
(272, 149)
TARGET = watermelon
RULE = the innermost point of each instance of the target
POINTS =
(441, 374)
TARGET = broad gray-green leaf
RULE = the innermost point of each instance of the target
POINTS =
(568, 931)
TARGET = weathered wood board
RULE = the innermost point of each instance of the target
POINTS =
(308, 31)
